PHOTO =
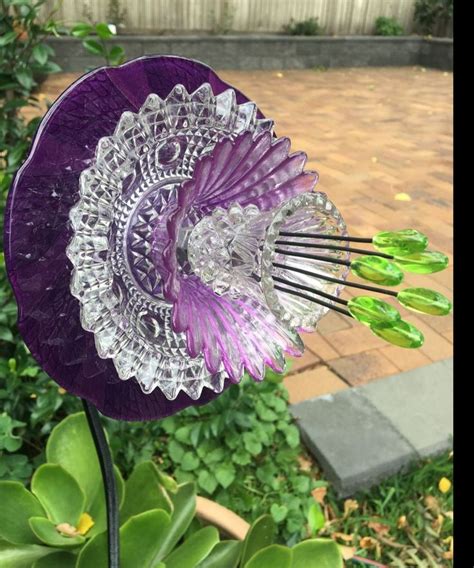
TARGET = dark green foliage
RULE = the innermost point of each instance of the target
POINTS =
(432, 13)
(388, 27)
(309, 27)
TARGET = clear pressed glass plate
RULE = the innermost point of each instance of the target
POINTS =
(125, 233)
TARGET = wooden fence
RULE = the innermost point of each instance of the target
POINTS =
(337, 17)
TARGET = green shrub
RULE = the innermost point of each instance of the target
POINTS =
(242, 450)
(309, 27)
(430, 13)
(61, 521)
(95, 38)
(31, 403)
(388, 27)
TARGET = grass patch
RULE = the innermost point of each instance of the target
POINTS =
(406, 520)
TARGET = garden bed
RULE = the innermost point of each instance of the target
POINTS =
(272, 51)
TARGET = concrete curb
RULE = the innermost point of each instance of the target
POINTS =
(272, 51)
(363, 435)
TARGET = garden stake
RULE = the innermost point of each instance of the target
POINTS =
(108, 477)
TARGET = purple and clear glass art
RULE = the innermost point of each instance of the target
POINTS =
(143, 240)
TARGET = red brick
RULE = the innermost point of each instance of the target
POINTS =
(363, 367)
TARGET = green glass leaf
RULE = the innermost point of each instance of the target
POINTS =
(271, 557)
(371, 311)
(141, 539)
(46, 531)
(377, 269)
(143, 492)
(260, 535)
(317, 553)
(400, 243)
(225, 553)
(425, 301)
(425, 262)
(59, 493)
(17, 506)
(194, 549)
(402, 334)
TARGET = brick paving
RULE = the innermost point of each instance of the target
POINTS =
(381, 140)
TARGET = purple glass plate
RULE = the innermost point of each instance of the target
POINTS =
(134, 239)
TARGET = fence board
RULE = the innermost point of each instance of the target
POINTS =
(337, 17)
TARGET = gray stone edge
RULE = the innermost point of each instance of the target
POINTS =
(403, 462)
(352, 484)
(271, 51)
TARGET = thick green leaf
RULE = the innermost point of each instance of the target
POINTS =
(81, 30)
(46, 531)
(59, 493)
(116, 57)
(98, 509)
(143, 492)
(41, 53)
(184, 508)
(316, 519)
(194, 549)
(21, 556)
(57, 560)
(7, 38)
(317, 553)
(224, 554)
(93, 46)
(143, 535)
(17, 506)
(271, 557)
(260, 535)
(103, 31)
(141, 540)
(71, 446)
(25, 78)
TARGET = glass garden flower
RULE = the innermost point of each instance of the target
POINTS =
(162, 242)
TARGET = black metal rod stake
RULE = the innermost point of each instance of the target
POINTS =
(329, 237)
(333, 247)
(107, 469)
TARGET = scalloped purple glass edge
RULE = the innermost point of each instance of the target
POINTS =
(78, 368)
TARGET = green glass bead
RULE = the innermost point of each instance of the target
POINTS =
(370, 310)
(400, 243)
(425, 262)
(377, 269)
(425, 301)
(402, 334)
